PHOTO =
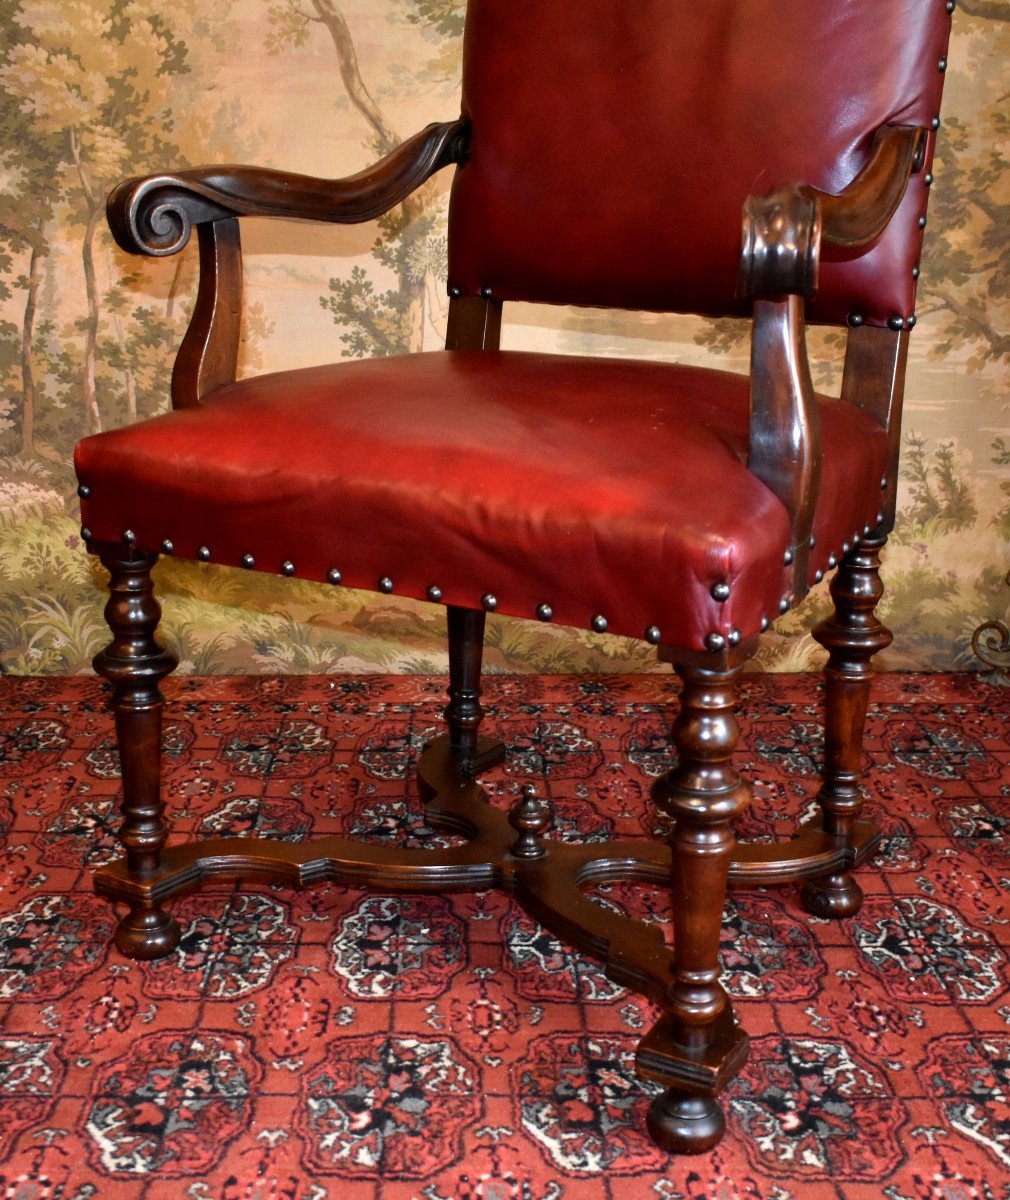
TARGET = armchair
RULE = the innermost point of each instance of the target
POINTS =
(683, 506)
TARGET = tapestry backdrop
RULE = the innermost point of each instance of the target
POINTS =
(94, 90)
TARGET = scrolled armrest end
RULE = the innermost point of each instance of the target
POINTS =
(155, 215)
(781, 244)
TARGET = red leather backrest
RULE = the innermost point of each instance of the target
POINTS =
(614, 142)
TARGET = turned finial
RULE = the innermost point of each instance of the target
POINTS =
(530, 817)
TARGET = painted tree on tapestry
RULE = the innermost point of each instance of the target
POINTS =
(30, 162)
(90, 94)
(411, 242)
(85, 73)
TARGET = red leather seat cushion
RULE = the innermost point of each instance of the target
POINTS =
(597, 486)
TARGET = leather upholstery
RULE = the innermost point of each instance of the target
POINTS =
(632, 198)
(597, 486)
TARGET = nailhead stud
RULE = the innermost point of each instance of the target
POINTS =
(883, 482)
(916, 272)
(855, 320)
(599, 623)
(812, 543)
(895, 323)
(128, 536)
(715, 642)
(203, 554)
(788, 557)
(927, 179)
(866, 530)
(941, 65)
(764, 623)
(434, 593)
(922, 222)
(734, 637)
(784, 604)
(545, 612)
(248, 561)
(857, 537)
(455, 293)
(832, 561)
(84, 491)
(287, 567)
(950, 6)
(846, 547)
(653, 635)
(935, 123)
(167, 546)
(333, 575)
(720, 592)
(818, 576)
(85, 533)
(489, 601)
(385, 584)
(486, 293)
(912, 321)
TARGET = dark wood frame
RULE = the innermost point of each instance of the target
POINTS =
(696, 1047)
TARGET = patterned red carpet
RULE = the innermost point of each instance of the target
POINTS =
(333, 1045)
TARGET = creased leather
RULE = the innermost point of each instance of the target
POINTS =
(597, 486)
(632, 198)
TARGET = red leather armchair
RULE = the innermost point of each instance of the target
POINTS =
(606, 160)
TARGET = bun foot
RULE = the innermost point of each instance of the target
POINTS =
(683, 1123)
(832, 897)
(147, 933)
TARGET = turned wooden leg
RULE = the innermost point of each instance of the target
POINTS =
(703, 793)
(463, 713)
(852, 636)
(135, 664)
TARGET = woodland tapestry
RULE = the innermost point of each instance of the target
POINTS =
(95, 90)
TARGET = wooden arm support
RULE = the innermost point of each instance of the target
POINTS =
(782, 237)
(154, 215)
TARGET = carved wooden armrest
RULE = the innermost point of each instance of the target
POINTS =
(783, 231)
(782, 237)
(155, 216)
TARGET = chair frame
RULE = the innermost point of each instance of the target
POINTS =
(696, 1047)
